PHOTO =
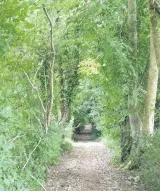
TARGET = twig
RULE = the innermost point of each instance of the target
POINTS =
(46, 13)
(36, 92)
(78, 125)
(31, 154)
(45, 81)
(30, 81)
(39, 121)
(38, 182)
(25, 155)
(11, 140)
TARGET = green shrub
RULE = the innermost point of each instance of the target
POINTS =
(111, 139)
(67, 145)
(49, 150)
(68, 129)
(10, 176)
(150, 164)
(20, 169)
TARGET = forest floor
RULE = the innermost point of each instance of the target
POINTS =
(88, 167)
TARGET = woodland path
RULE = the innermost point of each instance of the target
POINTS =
(87, 168)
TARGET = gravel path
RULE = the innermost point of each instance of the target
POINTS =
(87, 168)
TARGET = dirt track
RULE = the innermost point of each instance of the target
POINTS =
(88, 167)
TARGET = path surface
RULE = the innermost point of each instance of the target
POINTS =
(88, 167)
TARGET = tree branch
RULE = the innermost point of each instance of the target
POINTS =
(39, 121)
(38, 182)
(46, 13)
(35, 88)
(31, 154)
(13, 139)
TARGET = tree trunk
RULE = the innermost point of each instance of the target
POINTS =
(126, 139)
(132, 26)
(134, 119)
(64, 113)
(149, 111)
(49, 107)
(135, 124)
(148, 121)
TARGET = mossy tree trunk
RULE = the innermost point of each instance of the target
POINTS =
(126, 140)
(131, 131)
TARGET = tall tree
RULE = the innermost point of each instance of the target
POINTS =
(149, 111)
(132, 23)
(49, 106)
(134, 119)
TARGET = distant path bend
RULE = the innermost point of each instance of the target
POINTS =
(87, 168)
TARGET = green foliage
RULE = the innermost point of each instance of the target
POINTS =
(67, 145)
(66, 135)
(68, 129)
(10, 178)
(25, 150)
(150, 163)
(14, 156)
(49, 149)
(111, 139)
(93, 78)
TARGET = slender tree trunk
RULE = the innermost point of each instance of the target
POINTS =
(148, 121)
(72, 81)
(63, 100)
(134, 119)
(154, 6)
(49, 107)
(149, 111)
(64, 113)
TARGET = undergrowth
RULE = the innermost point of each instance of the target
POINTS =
(111, 139)
(149, 160)
(150, 164)
(25, 157)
